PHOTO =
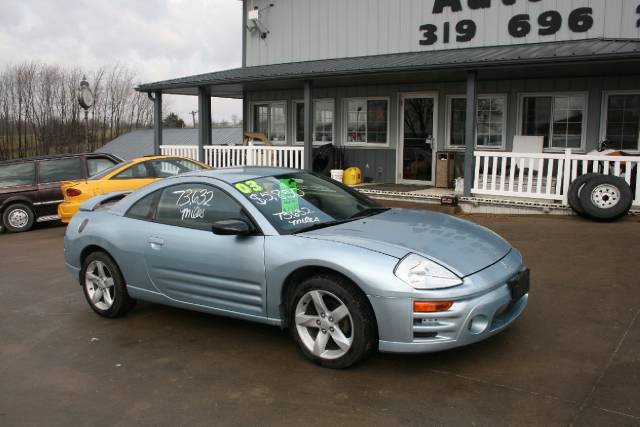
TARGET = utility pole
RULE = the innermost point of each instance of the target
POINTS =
(193, 116)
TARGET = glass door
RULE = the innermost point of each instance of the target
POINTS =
(417, 139)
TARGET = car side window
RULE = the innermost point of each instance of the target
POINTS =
(196, 206)
(143, 208)
(18, 174)
(60, 170)
(137, 171)
(164, 168)
(96, 165)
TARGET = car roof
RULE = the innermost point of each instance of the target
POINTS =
(235, 174)
(59, 156)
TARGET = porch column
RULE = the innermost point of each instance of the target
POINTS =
(157, 122)
(308, 125)
(470, 131)
(204, 121)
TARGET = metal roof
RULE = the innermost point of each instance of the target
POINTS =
(139, 142)
(476, 57)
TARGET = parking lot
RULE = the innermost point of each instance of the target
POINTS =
(573, 358)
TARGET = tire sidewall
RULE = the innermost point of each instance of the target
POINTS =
(121, 300)
(364, 329)
(15, 206)
(575, 189)
(613, 213)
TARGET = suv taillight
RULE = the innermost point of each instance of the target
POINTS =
(73, 192)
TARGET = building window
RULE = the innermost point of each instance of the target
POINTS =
(491, 121)
(271, 119)
(558, 118)
(367, 121)
(323, 119)
(622, 121)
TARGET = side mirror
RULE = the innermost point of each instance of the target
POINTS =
(232, 227)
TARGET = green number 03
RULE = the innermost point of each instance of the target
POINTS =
(249, 187)
(243, 188)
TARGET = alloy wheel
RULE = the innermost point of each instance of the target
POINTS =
(100, 285)
(324, 324)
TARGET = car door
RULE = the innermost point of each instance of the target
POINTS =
(187, 262)
(50, 174)
(133, 177)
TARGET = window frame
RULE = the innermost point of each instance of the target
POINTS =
(448, 135)
(271, 104)
(345, 122)
(294, 121)
(604, 113)
(553, 95)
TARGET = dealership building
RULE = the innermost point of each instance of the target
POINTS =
(394, 83)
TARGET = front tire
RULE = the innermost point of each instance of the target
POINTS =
(18, 218)
(331, 321)
(104, 287)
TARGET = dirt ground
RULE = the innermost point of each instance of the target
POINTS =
(572, 359)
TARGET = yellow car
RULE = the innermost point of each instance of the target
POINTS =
(130, 175)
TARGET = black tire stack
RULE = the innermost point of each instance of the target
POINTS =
(600, 197)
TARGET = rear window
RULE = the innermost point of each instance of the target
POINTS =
(17, 174)
(60, 170)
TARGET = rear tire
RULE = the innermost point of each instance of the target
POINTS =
(18, 218)
(331, 321)
(104, 287)
(574, 191)
(606, 198)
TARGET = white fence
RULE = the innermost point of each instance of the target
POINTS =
(546, 176)
(222, 156)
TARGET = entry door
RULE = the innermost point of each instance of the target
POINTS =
(417, 139)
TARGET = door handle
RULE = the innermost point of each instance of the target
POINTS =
(155, 242)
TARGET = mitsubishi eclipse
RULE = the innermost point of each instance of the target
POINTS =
(343, 274)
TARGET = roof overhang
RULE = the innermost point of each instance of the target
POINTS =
(498, 62)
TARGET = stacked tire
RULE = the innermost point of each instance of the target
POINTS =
(600, 197)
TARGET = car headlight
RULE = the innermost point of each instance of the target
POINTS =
(422, 273)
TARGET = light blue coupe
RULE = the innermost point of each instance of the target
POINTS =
(290, 248)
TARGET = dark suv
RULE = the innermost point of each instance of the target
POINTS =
(30, 188)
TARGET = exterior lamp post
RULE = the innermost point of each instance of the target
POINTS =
(86, 100)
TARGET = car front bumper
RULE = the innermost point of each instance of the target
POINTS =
(472, 318)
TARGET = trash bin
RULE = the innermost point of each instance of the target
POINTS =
(445, 170)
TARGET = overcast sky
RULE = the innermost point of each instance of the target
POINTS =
(157, 39)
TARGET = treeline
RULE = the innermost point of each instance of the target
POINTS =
(40, 114)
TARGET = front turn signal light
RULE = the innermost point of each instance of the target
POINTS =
(431, 306)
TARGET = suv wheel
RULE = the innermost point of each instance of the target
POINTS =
(332, 323)
(18, 217)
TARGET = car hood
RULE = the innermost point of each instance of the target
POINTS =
(461, 246)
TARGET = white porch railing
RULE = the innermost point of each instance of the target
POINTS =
(222, 156)
(188, 151)
(545, 176)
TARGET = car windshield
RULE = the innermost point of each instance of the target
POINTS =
(298, 202)
(107, 171)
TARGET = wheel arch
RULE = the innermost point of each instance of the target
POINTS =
(301, 273)
(17, 200)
